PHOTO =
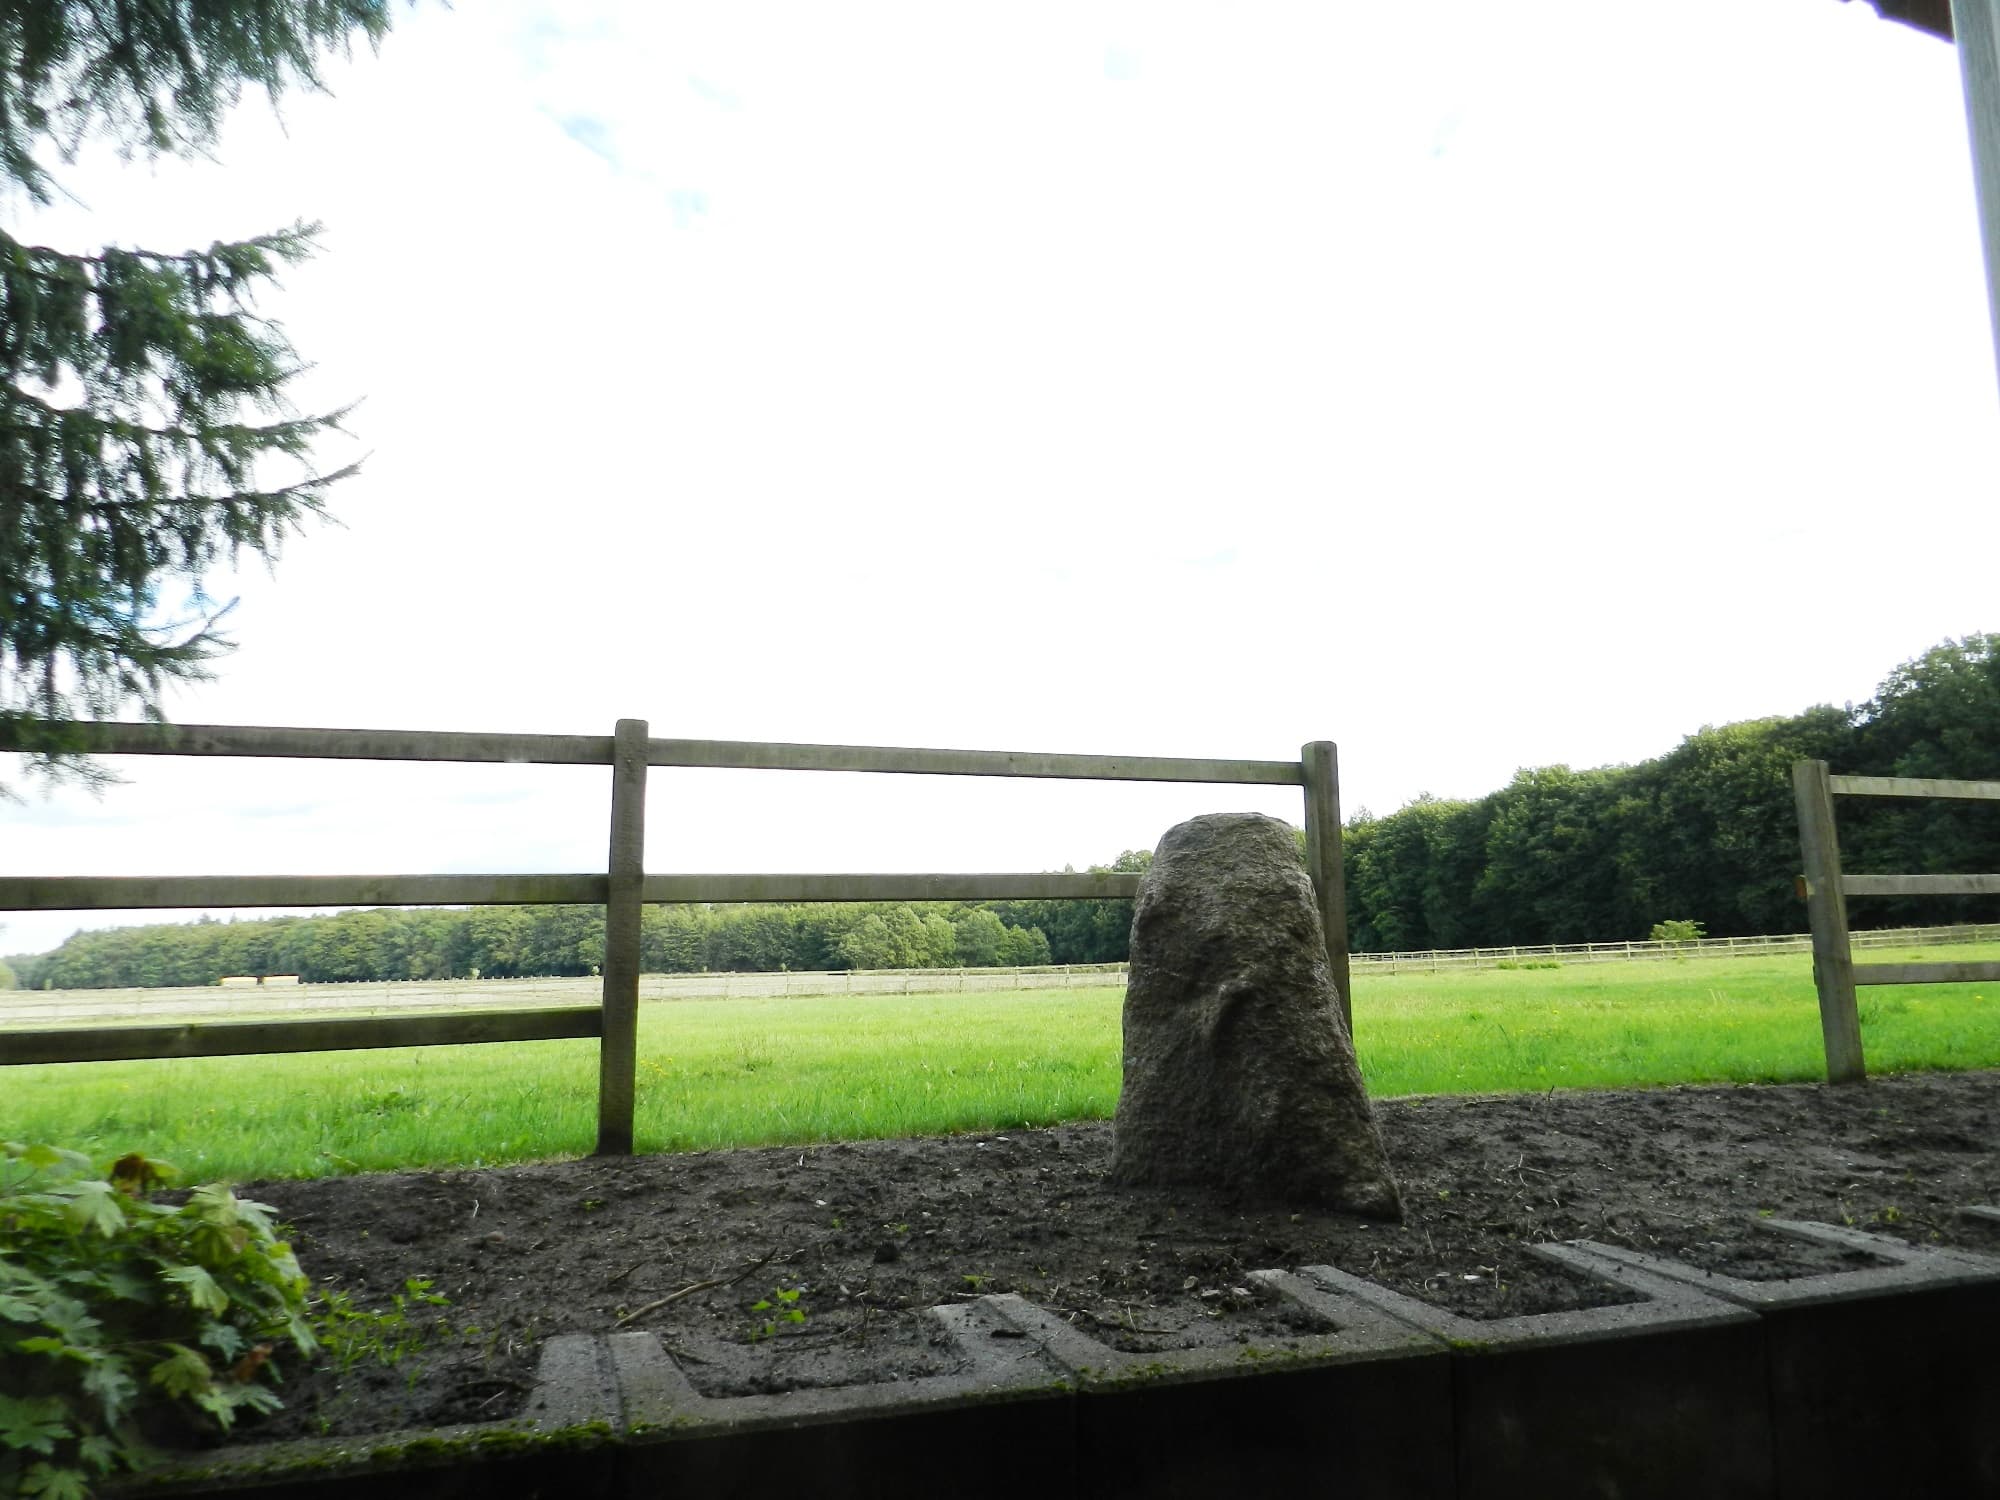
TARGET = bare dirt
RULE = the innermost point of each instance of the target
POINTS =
(772, 1269)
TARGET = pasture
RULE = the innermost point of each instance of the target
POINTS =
(790, 1070)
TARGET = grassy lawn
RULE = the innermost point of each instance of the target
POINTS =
(749, 1072)
(1638, 1024)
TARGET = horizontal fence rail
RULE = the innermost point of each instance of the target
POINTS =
(622, 890)
(1975, 972)
(256, 742)
(327, 1034)
(738, 889)
(745, 756)
(1920, 885)
(1835, 973)
(147, 893)
(393, 997)
(596, 750)
(1912, 786)
(172, 892)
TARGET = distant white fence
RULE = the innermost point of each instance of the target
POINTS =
(23, 1007)
(1443, 959)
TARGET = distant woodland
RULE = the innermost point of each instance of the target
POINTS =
(508, 942)
(1704, 833)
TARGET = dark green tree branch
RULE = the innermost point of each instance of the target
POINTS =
(147, 436)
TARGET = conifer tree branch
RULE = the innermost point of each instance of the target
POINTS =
(141, 397)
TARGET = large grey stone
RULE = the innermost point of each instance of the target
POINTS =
(1239, 1072)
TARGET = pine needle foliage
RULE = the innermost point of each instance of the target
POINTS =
(143, 399)
(156, 75)
(147, 473)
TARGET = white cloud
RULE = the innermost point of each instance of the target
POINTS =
(1473, 385)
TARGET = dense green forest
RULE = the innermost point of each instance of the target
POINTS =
(1704, 833)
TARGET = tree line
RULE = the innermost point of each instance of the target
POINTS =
(508, 942)
(1706, 832)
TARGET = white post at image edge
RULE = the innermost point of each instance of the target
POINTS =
(1976, 25)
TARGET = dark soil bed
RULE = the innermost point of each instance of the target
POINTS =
(772, 1269)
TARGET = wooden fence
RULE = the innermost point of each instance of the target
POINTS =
(389, 997)
(1835, 973)
(1442, 960)
(622, 890)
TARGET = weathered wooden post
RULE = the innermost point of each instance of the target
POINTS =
(1826, 906)
(618, 1051)
(1320, 761)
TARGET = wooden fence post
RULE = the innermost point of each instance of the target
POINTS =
(1320, 761)
(1826, 906)
(618, 1053)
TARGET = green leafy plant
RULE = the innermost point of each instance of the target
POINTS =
(782, 1306)
(352, 1334)
(1678, 932)
(125, 1321)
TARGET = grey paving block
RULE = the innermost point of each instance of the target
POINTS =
(1006, 1404)
(1908, 1268)
(1662, 1396)
(615, 1416)
(1883, 1379)
(575, 1383)
(1363, 1410)
(556, 1447)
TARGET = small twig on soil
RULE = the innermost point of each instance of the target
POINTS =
(501, 1388)
(624, 1273)
(475, 1211)
(689, 1291)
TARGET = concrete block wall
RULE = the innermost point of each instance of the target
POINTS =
(1864, 1383)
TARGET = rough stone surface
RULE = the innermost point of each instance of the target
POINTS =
(1239, 1072)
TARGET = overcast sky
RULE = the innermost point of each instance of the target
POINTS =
(1476, 386)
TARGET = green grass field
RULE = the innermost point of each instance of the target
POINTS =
(751, 1072)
